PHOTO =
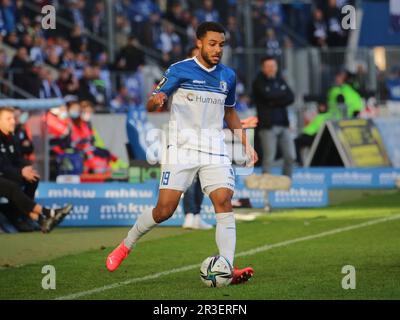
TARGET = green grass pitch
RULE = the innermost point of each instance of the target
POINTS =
(307, 251)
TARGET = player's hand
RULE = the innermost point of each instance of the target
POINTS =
(250, 122)
(251, 155)
(159, 99)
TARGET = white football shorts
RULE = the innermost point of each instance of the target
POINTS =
(180, 166)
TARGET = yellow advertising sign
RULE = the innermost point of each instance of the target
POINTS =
(362, 143)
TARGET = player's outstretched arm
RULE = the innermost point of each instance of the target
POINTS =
(156, 101)
(233, 122)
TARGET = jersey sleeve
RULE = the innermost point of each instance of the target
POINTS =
(169, 82)
(231, 97)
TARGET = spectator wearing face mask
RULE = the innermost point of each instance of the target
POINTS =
(86, 117)
(58, 126)
(80, 132)
(58, 129)
(96, 159)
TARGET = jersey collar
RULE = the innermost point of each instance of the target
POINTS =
(203, 67)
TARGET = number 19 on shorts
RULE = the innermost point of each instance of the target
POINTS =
(165, 178)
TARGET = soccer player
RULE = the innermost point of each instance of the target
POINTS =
(203, 96)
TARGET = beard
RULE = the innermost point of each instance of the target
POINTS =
(206, 58)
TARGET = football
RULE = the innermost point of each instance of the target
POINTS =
(216, 271)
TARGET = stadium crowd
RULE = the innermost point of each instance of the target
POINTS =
(68, 61)
(167, 27)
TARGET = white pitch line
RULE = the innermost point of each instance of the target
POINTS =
(242, 254)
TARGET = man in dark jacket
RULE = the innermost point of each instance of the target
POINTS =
(13, 166)
(272, 95)
(19, 181)
(130, 57)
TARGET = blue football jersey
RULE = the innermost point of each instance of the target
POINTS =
(198, 99)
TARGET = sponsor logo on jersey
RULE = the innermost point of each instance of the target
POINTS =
(198, 98)
(190, 96)
(199, 81)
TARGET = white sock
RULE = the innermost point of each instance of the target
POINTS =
(144, 224)
(225, 235)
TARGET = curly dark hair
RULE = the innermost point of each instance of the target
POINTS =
(204, 27)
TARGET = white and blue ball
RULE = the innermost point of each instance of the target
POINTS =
(216, 271)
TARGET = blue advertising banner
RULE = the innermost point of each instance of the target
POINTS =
(145, 190)
(257, 197)
(300, 197)
(110, 204)
(117, 212)
(118, 204)
(313, 193)
(345, 178)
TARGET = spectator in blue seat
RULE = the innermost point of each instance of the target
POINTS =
(12, 40)
(207, 12)
(274, 13)
(7, 11)
(48, 88)
(122, 102)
